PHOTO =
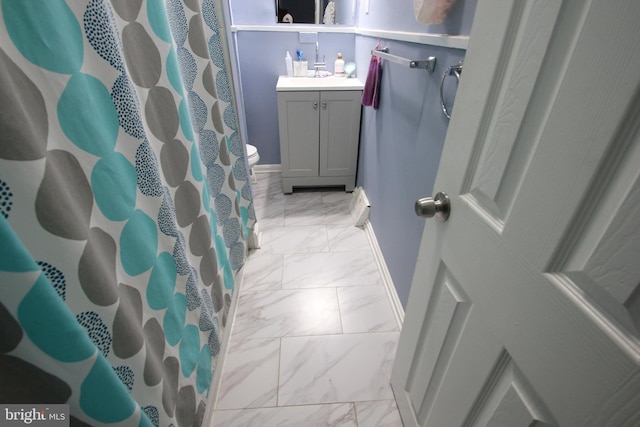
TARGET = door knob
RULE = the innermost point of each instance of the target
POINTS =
(438, 207)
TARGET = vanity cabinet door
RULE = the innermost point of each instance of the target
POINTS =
(339, 132)
(299, 124)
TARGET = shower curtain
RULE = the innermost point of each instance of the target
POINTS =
(125, 207)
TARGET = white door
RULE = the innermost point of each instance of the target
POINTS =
(525, 304)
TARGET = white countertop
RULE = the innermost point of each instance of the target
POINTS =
(290, 84)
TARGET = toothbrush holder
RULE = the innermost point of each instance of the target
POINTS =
(300, 68)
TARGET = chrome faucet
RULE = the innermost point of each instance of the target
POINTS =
(318, 65)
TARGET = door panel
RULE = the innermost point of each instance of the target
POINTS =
(508, 400)
(299, 124)
(596, 262)
(339, 132)
(446, 317)
(526, 39)
(525, 305)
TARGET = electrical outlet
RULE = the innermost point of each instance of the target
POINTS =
(307, 37)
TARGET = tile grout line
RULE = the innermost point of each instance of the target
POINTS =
(280, 342)
(326, 235)
(278, 377)
(355, 414)
(284, 256)
(339, 312)
(330, 249)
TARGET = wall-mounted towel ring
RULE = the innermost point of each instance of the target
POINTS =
(453, 70)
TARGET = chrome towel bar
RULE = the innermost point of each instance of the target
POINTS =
(429, 64)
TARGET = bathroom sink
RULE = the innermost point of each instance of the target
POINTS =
(330, 82)
(321, 74)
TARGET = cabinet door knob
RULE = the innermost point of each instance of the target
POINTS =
(315, 105)
(324, 105)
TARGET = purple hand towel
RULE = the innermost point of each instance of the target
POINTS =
(371, 92)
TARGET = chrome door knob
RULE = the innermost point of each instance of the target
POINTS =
(430, 207)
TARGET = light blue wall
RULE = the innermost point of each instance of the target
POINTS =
(260, 56)
(261, 61)
(253, 12)
(398, 16)
(400, 149)
(345, 13)
(400, 143)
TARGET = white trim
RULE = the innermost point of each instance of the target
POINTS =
(224, 350)
(255, 238)
(396, 305)
(359, 207)
(432, 39)
(274, 168)
(293, 28)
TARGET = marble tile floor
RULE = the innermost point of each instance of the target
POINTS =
(314, 336)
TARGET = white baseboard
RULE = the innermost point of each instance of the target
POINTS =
(396, 305)
(274, 168)
(255, 238)
(224, 350)
(359, 207)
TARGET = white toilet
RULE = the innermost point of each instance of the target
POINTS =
(252, 158)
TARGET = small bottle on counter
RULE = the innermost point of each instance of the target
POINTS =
(338, 68)
(289, 62)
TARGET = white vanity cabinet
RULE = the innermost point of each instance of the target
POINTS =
(319, 131)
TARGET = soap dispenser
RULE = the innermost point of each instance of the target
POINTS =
(338, 68)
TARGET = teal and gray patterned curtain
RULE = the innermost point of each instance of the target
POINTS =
(124, 207)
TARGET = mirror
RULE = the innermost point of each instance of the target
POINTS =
(340, 12)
